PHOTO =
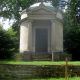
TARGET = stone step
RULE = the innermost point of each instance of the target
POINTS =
(36, 56)
(42, 56)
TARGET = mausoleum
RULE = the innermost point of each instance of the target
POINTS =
(41, 30)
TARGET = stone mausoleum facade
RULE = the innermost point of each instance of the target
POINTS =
(41, 30)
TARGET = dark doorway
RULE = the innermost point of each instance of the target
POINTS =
(41, 40)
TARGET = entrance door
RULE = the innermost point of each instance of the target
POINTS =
(41, 41)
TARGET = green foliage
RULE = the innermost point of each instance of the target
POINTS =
(11, 8)
(7, 43)
(72, 31)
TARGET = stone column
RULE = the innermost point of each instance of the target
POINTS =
(53, 36)
(59, 36)
(30, 36)
(49, 37)
(24, 34)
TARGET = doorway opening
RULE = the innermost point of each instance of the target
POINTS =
(41, 40)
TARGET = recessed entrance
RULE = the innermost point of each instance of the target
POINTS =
(41, 40)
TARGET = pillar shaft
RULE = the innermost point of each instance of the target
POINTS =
(53, 36)
(24, 38)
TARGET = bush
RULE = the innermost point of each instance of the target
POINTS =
(7, 43)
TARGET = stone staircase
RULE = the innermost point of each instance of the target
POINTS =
(36, 56)
(42, 56)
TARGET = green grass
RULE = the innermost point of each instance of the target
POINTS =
(73, 78)
(40, 62)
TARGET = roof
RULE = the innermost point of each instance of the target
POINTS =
(44, 7)
(48, 5)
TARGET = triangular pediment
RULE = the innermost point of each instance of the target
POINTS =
(42, 11)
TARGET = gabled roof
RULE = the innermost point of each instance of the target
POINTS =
(36, 6)
(42, 9)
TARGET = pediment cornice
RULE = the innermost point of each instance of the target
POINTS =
(42, 10)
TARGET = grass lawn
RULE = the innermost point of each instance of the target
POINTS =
(73, 78)
(40, 62)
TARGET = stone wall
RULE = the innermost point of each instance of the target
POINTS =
(23, 72)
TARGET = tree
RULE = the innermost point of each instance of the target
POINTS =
(78, 11)
(72, 31)
(7, 43)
